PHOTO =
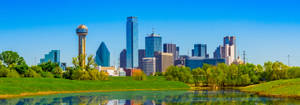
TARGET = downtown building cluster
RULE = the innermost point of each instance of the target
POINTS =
(156, 57)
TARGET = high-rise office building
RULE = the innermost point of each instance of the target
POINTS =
(149, 66)
(131, 42)
(177, 53)
(103, 56)
(153, 43)
(141, 56)
(171, 48)
(231, 41)
(227, 51)
(52, 56)
(218, 52)
(200, 50)
(163, 61)
(81, 31)
(123, 59)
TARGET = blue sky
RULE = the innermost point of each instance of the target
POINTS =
(268, 30)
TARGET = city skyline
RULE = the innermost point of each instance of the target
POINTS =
(257, 35)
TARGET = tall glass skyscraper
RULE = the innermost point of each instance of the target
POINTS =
(53, 56)
(131, 42)
(153, 43)
(123, 59)
(200, 50)
(102, 56)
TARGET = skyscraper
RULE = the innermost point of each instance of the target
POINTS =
(81, 31)
(153, 43)
(149, 65)
(141, 56)
(52, 56)
(103, 56)
(231, 41)
(171, 48)
(218, 52)
(131, 42)
(227, 51)
(123, 59)
(200, 50)
(163, 61)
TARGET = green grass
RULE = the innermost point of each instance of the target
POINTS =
(289, 87)
(33, 85)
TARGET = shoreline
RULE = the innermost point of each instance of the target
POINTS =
(8, 96)
(271, 95)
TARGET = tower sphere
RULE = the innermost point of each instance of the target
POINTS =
(82, 30)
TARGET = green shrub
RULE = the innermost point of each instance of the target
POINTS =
(103, 75)
(4, 72)
(294, 72)
(31, 73)
(80, 75)
(158, 74)
(37, 69)
(94, 74)
(47, 75)
(57, 72)
(13, 74)
(21, 69)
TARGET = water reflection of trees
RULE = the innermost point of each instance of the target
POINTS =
(153, 98)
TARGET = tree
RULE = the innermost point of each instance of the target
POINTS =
(21, 69)
(199, 76)
(48, 66)
(57, 72)
(182, 74)
(138, 74)
(90, 65)
(11, 58)
(37, 69)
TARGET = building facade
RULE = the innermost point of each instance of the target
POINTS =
(181, 60)
(153, 43)
(131, 42)
(227, 51)
(163, 61)
(142, 55)
(102, 56)
(200, 50)
(149, 65)
(82, 31)
(171, 48)
(52, 56)
(123, 59)
(231, 41)
(218, 52)
(195, 62)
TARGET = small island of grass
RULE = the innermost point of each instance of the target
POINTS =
(278, 88)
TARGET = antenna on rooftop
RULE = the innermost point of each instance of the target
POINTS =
(153, 29)
(244, 56)
(289, 60)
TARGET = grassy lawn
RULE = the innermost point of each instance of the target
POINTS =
(289, 87)
(33, 85)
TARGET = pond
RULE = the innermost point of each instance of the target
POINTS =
(172, 97)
